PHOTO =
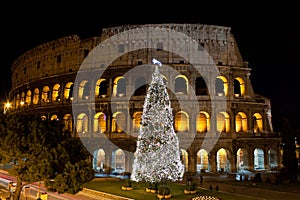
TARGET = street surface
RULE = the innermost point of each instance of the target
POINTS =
(87, 194)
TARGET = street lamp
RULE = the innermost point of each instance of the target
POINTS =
(7, 106)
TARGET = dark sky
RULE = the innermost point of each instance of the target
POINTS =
(268, 36)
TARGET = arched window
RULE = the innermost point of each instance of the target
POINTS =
(119, 87)
(36, 97)
(239, 87)
(100, 122)
(118, 161)
(202, 160)
(181, 84)
(68, 122)
(56, 92)
(241, 122)
(257, 122)
(222, 160)
(137, 118)
(202, 122)
(185, 159)
(18, 100)
(101, 88)
(242, 159)
(181, 122)
(221, 86)
(68, 93)
(118, 122)
(22, 98)
(201, 87)
(273, 159)
(259, 159)
(46, 94)
(99, 160)
(140, 86)
(82, 123)
(54, 117)
(28, 97)
(223, 122)
(83, 90)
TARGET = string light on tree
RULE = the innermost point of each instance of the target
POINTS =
(157, 156)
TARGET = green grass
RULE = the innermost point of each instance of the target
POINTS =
(139, 192)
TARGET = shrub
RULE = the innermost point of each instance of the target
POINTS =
(164, 190)
(128, 183)
(191, 185)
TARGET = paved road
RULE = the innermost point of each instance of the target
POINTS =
(241, 191)
(85, 194)
(247, 191)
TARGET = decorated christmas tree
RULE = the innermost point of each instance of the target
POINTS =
(157, 156)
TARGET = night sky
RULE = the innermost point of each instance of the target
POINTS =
(268, 36)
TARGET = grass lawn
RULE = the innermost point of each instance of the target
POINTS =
(139, 190)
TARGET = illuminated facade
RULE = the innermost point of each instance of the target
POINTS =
(43, 82)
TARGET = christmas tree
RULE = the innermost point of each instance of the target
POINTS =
(157, 156)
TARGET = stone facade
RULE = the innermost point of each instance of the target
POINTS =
(222, 124)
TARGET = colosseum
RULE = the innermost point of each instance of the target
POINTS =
(97, 87)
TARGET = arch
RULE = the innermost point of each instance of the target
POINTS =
(99, 161)
(202, 122)
(241, 122)
(223, 122)
(201, 86)
(43, 117)
(68, 93)
(181, 84)
(136, 121)
(46, 94)
(202, 161)
(28, 97)
(257, 123)
(273, 159)
(22, 98)
(118, 122)
(56, 92)
(101, 88)
(223, 163)
(18, 100)
(185, 159)
(84, 90)
(82, 123)
(239, 87)
(259, 159)
(242, 159)
(221, 86)
(68, 122)
(99, 122)
(141, 86)
(118, 161)
(181, 121)
(119, 86)
(36, 96)
(54, 117)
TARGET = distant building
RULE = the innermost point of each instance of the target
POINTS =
(54, 80)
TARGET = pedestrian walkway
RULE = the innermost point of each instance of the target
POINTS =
(245, 191)
(100, 195)
(3, 194)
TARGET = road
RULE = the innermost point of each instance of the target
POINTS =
(247, 191)
(87, 194)
(36, 190)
